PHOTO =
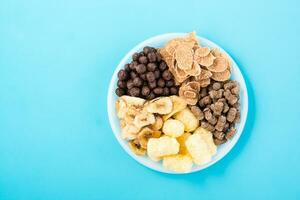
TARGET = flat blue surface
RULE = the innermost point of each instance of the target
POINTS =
(56, 60)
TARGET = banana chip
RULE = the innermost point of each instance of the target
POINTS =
(178, 163)
(178, 105)
(160, 105)
(157, 124)
(188, 119)
(163, 146)
(129, 132)
(198, 149)
(143, 119)
(173, 128)
(144, 135)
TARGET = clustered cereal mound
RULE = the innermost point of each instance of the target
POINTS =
(147, 76)
(177, 103)
(218, 109)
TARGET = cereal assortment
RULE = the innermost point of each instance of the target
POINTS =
(177, 103)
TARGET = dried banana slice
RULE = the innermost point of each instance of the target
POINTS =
(160, 105)
(144, 135)
(143, 119)
(178, 105)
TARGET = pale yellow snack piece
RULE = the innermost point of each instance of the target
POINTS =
(173, 128)
(198, 149)
(163, 146)
(178, 163)
(181, 139)
(178, 105)
(208, 138)
(121, 108)
(188, 119)
(160, 105)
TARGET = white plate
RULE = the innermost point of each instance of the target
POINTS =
(159, 41)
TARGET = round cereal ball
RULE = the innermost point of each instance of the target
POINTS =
(121, 84)
(173, 90)
(120, 92)
(133, 64)
(129, 84)
(147, 49)
(151, 57)
(151, 67)
(133, 74)
(143, 77)
(152, 84)
(158, 91)
(127, 67)
(173, 128)
(170, 83)
(150, 96)
(135, 56)
(167, 75)
(143, 60)
(157, 74)
(150, 76)
(145, 91)
(135, 91)
(163, 66)
(161, 83)
(166, 91)
(137, 81)
(122, 75)
(158, 57)
(141, 68)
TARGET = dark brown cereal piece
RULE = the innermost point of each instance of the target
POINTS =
(166, 91)
(143, 60)
(204, 101)
(151, 67)
(231, 114)
(163, 66)
(173, 90)
(121, 84)
(170, 83)
(219, 142)
(151, 56)
(167, 75)
(152, 84)
(157, 74)
(122, 75)
(129, 84)
(141, 68)
(216, 86)
(158, 91)
(137, 81)
(213, 120)
(150, 96)
(229, 85)
(219, 135)
(207, 126)
(197, 112)
(135, 91)
(150, 76)
(203, 92)
(120, 92)
(221, 123)
(161, 82)
(145, 91)
(207, 114)
(135, 56)
(218, 108)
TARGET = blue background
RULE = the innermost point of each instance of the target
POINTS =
(56, 60)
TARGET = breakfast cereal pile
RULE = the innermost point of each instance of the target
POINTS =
(177, 103)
